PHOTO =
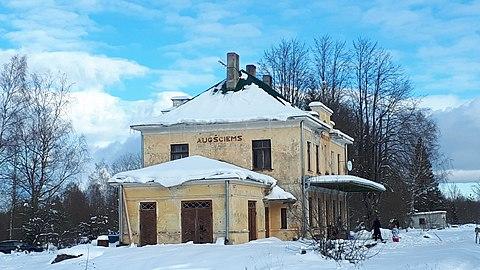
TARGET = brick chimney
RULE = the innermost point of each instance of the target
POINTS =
(267, 79)
(233, 68)
(252, 70)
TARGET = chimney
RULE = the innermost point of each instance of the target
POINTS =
(233, 68)
(179, 100)
(267, 79)
(252, 70)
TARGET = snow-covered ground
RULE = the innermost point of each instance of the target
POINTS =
(452, 248)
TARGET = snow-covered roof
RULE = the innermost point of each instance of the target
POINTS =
(251, 100)
(181, 97)
(321, 105)
(337, 134)
(430, 213)
(177, 172)
(347, 183)
(279, 194)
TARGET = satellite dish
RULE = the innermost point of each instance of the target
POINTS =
(349, 165)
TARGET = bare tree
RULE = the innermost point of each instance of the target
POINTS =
(331, 71)
(288, 64)
(476, 190)
(49, 154)
(12, 90)
(126, 162)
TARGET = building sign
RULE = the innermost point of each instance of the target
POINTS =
(220, 139)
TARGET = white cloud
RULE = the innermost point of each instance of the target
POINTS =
(459, 130)
(48, 25)
(442, 102)
(105, 119)
(463, 176)
(87, 70)
(83, 70)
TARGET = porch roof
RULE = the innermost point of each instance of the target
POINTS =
(280, 195)
(193, 168)
(346, 183)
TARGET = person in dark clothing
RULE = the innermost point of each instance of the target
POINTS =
(376, 230)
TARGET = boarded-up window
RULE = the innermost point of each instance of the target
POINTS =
(283, 218)
(178, 151)
(262, 154)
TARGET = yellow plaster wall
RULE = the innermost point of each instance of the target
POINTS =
(285, 145)
(284, 141)
(169, 209)
(275, 221)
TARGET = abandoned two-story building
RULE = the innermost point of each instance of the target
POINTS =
(236, 163)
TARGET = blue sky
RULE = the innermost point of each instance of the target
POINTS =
(127, 58)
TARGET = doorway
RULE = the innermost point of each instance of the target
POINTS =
(148, 223)
(197, 222)
(252, 220)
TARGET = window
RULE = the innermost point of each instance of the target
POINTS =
(319, 214)
(309, 166)
(283, 218)
(340, 213)
(422, 221)
(331, 161)
(178, 151)
(317, 159)
(262, 154)
(145, 206)
(327, 212)
(310, 212)
(334, 211)
(338, 164)
(325, 156)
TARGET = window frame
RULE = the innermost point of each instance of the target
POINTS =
(183, 153)
(265, 149)
(338, 164)
(310, 212)
(309, 153)
(317, 156)
(283, 218)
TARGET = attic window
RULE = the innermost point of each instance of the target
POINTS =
(178, 151)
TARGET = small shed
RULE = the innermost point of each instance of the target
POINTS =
(429, 220)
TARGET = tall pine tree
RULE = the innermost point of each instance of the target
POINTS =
(424, 190)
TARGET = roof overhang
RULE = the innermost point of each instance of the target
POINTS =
(211, 181)
(341, 137)
(345, 183)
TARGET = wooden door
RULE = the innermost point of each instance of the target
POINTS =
(148, 223)
(197, 222)
(267, 222)
(252, 220)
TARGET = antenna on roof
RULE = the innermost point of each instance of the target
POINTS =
(222, 63)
